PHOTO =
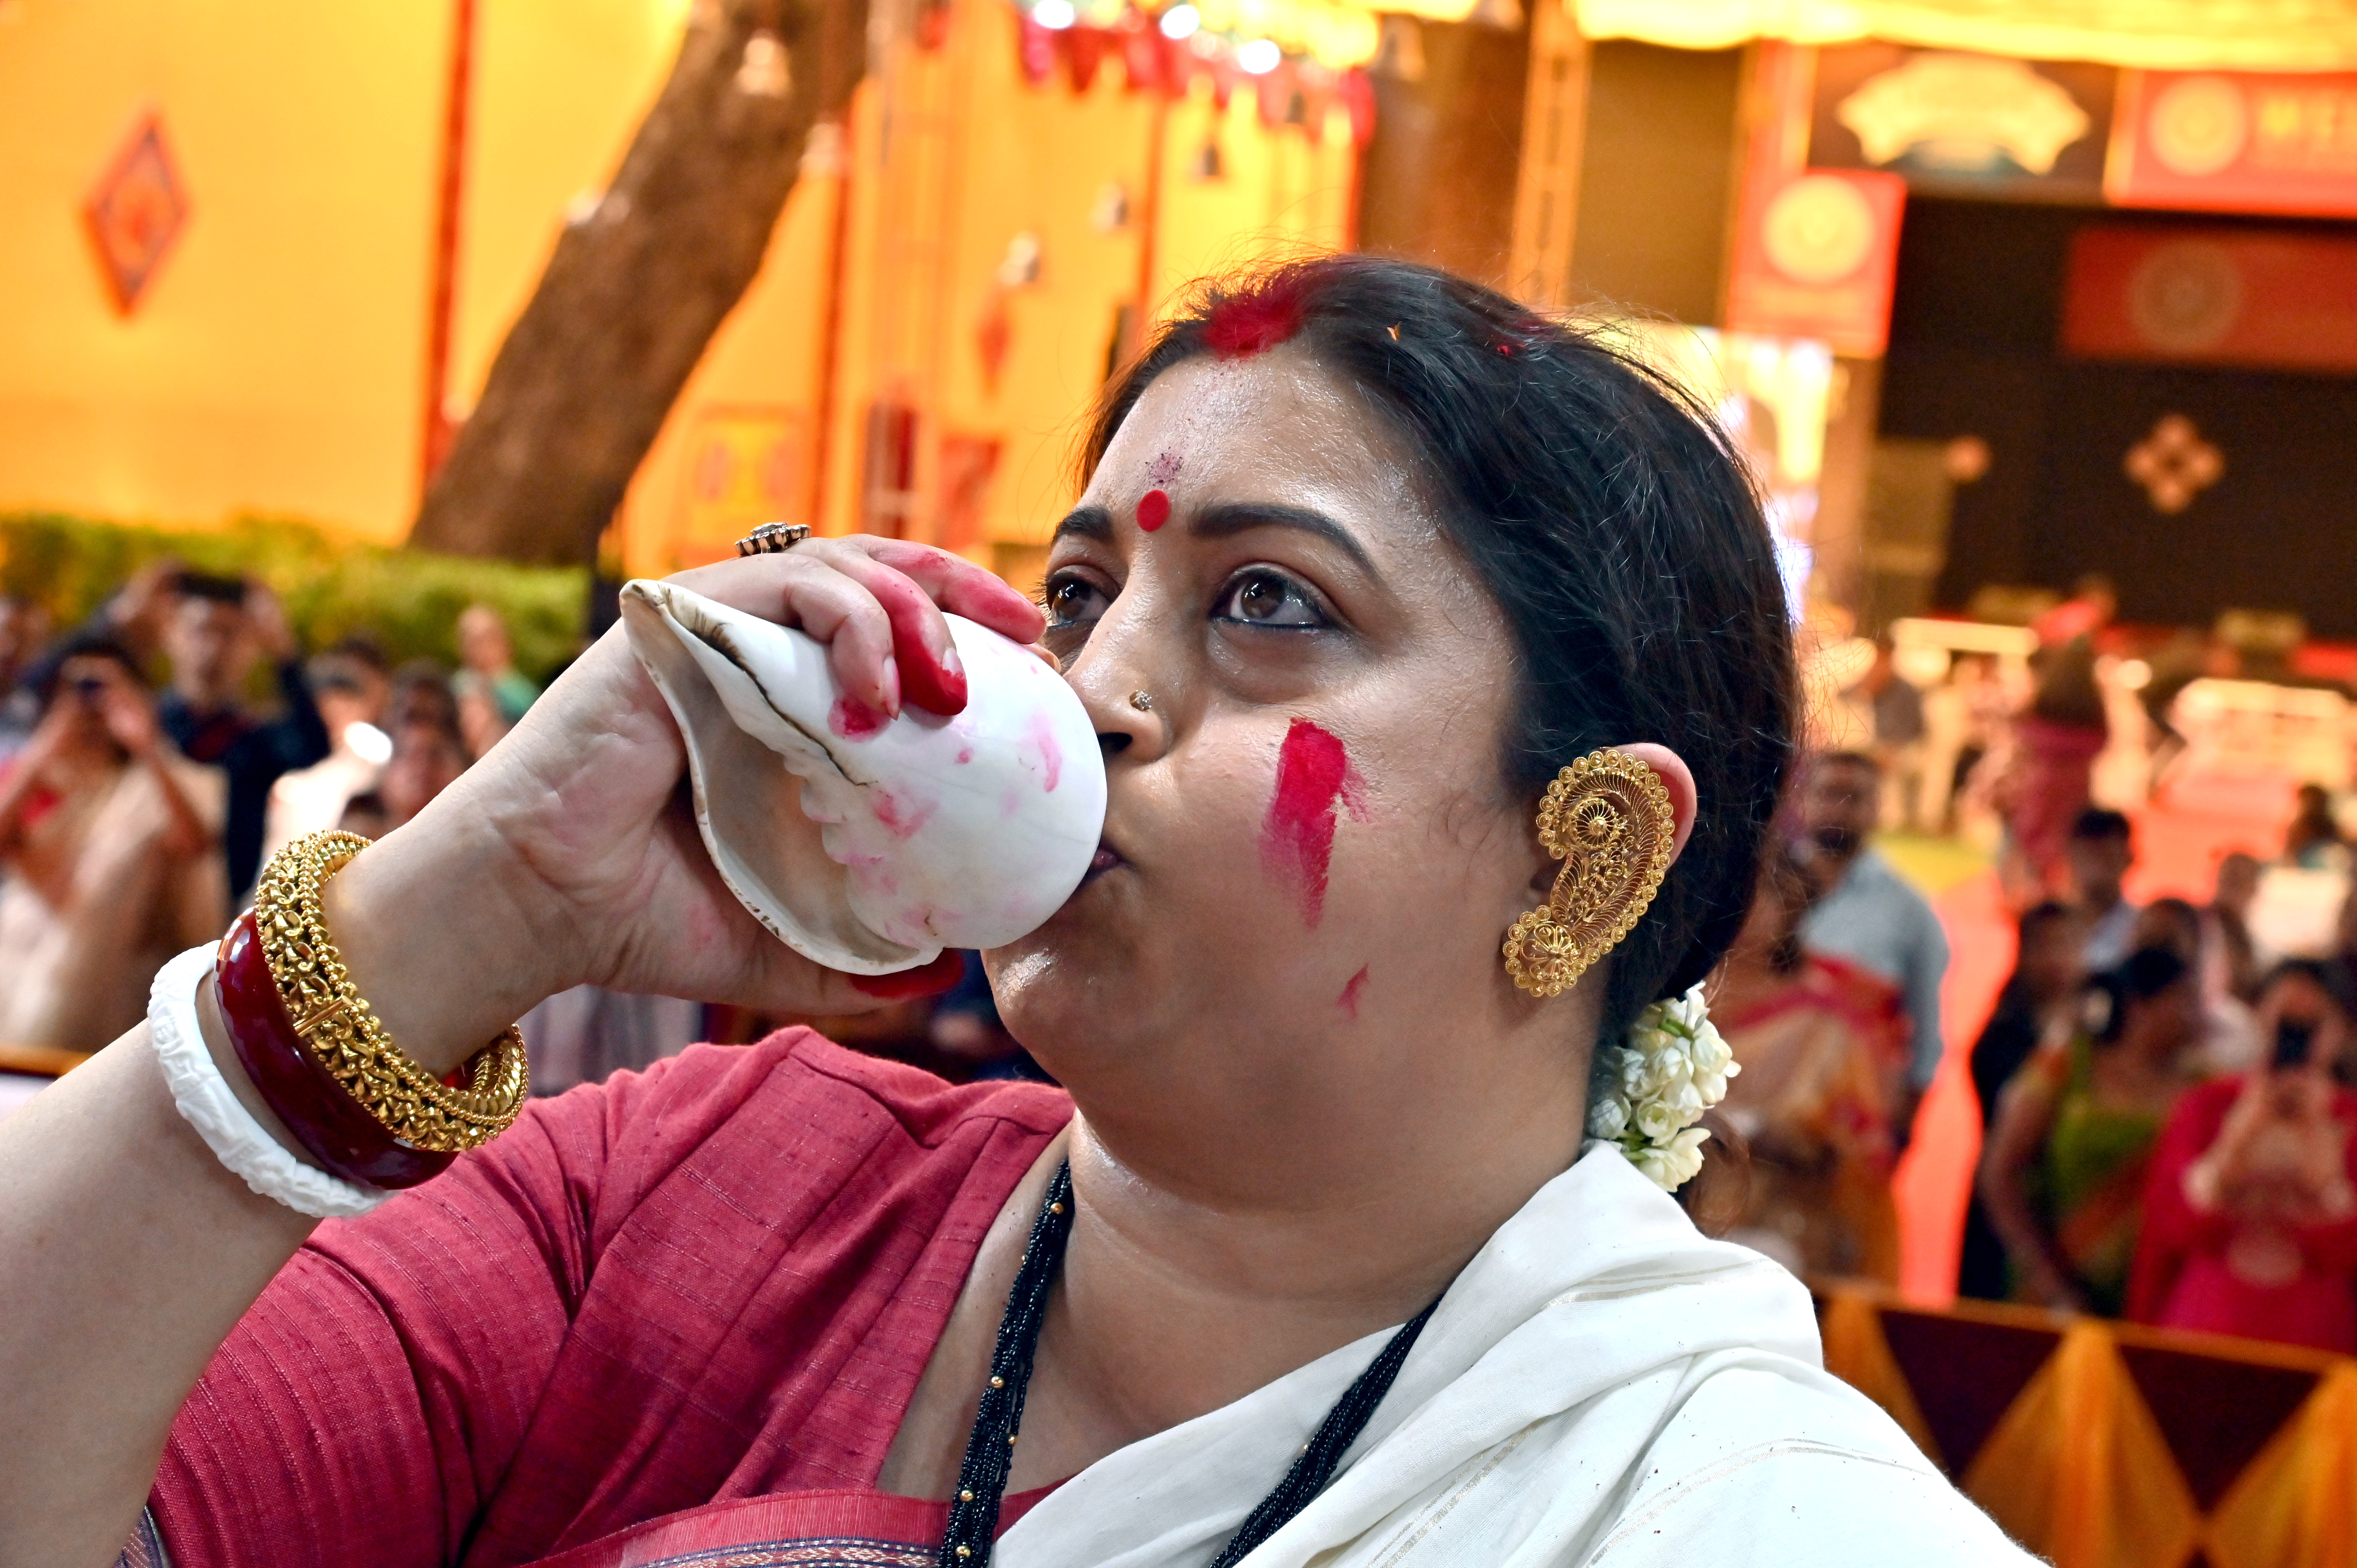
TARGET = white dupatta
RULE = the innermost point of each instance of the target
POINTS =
(1602, 1383)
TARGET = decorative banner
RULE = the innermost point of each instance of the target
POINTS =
(745, 467)
(2159, 35)
(1815, 256)
(1968, 125)
(135, 213)
(2204, 296)
(2235, 142)
(1294, 91)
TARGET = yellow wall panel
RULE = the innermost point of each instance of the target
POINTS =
(275, 359)
(278, 362)
(560, 86)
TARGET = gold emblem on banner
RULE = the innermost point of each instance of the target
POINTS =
(2199, 126)
(1818, 229)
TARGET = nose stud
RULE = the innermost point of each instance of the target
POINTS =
(1142, 701)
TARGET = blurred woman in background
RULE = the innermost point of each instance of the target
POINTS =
(491, 692)
(2058, 739)
(2063, 1173)
(2038, 1004)
(2250, 1213)
(350, 686)
(106, 839)
(1823, 1045)
(2229, 1039)
(429, 751)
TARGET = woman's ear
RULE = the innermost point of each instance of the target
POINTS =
(1676, 777)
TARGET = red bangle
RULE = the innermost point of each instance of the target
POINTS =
(338, 1130)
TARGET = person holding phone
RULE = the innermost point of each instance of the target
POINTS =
(107, 858)
(2251, 1204)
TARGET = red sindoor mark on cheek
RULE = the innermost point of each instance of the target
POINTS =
(1297, 840)
(1152, 509)
(1349, 1001)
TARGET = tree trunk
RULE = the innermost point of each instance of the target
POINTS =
(636, 289)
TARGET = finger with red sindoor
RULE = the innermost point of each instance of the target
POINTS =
(914, 583)
(840, 611)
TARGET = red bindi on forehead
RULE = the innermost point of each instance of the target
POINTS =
(1244, 325)
(1152, 509)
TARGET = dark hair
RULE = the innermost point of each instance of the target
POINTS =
(2017, 997)
(2038, 916)
(85, 644)
(421, 694)
(2139, 977)
(212, 585)
(363, 648)
(2098, 824)
(2333, 979)
(1796, 892)
(1610, 518)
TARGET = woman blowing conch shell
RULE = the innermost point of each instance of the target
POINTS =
(1438, 665)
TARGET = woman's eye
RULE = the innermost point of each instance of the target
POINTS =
(1268, 598)
(1071, 601)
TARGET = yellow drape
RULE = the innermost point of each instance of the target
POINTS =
(2296, 1505)
(2077, 1468)
(2157, 35)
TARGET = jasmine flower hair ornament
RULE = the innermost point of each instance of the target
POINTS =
(1673, 1066)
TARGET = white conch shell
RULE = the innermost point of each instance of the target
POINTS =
(870, 847)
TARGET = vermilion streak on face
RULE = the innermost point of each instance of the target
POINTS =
(1296, 842)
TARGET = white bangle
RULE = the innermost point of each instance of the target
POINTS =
(228, 1128)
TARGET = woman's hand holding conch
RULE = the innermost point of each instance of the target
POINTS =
(569, 853)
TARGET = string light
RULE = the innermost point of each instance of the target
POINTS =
(1054, 14)
(1257, 58)
(1180, 21)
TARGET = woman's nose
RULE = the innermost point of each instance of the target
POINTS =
(1130, 706)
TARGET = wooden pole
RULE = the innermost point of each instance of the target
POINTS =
(450, 196)
(637, 287)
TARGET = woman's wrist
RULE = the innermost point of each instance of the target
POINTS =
(436, 937)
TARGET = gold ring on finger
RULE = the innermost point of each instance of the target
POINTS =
(772, 538)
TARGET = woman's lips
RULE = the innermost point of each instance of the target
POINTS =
(1105, 860)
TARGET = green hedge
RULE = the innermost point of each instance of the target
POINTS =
(409, 601)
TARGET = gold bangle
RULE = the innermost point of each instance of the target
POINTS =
(333, 1021)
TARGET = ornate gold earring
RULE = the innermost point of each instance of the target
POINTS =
(1608, 818)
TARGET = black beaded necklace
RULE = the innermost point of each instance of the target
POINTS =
(990, 1451)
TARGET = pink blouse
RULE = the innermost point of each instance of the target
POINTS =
(705, 1291)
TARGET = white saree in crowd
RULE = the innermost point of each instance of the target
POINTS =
(1603, 1384)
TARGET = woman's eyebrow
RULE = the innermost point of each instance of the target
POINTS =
(1228, 517)
(1086, 522)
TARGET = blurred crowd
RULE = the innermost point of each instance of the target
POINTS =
(153, 759)
(2167, 1102)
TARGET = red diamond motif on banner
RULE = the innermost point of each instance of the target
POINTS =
(135, 213)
